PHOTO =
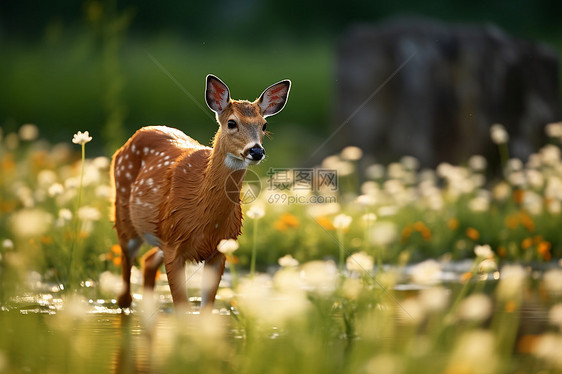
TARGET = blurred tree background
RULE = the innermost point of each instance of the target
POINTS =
(112, 66)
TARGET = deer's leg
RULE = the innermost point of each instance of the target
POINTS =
(175, 269)
(212, 273)
(129, 250)
(151, 262)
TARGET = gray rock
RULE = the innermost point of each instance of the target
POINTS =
(455, 82)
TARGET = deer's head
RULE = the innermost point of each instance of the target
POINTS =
(243, 123)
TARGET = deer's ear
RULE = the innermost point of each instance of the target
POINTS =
(273, 99)
(217, 94)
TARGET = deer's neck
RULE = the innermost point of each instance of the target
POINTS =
(222, 183)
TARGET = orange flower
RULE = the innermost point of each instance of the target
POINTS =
(526, 243)
(325, 222)
(280, 225)
(472, 233)
(527, 221)
(502, 252)
(406, 233)
(290, 220)
(544, 250)
(232, 259)
(512, 221)
(8, 163)
(453, 223)
(510, 306)
(518, 196)
(465, 277)
(117, 261)
(116, 248)
(285, 221)
(527, 343)
(46, 240)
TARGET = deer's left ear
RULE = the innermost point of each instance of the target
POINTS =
(273, 99)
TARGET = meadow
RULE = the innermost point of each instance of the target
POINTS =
(402, 270)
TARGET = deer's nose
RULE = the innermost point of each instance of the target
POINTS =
(257, 152)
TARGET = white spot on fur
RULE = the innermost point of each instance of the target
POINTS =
(159, 165)
(216, 225)
(126, 156)
(155, 189)
(123, 189)
(166, 163)
(143, 163)
(167, 157)
(128, 175)
(150, 182)
(152, 151)
(141, 182)
(145, 150)
(133, 147)
(189, 165)
(130, 166)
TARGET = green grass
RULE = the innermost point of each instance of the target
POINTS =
(308, 317)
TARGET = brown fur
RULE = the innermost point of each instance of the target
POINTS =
(172, 190)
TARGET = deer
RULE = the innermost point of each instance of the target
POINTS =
(183, 198)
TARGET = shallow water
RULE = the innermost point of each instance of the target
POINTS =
(134, 340)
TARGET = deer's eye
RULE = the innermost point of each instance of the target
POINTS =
(232, 124)
(264, 127)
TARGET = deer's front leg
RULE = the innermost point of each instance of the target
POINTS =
(212, 273)
(175, 270)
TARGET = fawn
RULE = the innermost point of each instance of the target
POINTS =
(183, 197)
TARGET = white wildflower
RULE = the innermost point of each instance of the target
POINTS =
(552, 281)
(555, 315)
(369, 218)
(501, 191)
(320, 276)
(256, 211)
(550, 154)
(81, 138)
(89, 213)
(30, 222)
(383, 233)
(547, 347)
(288, 261)
(477, 163)
(351, 153)
(512, 280)
(476, 308)
(479, 204)
(483, 251)
(434, 299)
(359, 262)
(28, 132)
(426, 272)
(487, 266)
(375, 171)
(498, 134)
(7, 244)
(410, 162)
(227, 246)
(65, 214)
(366, 200)
(553, 130)
(342, 221)
(56, 189)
